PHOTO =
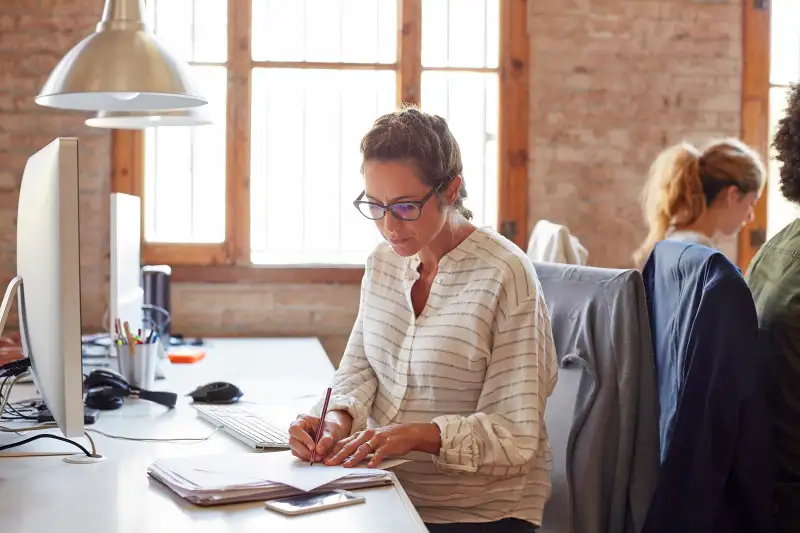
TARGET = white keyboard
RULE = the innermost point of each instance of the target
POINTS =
(244, 426)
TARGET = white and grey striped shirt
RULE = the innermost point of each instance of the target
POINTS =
(479, 362)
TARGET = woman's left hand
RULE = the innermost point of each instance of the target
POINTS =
(388, 441)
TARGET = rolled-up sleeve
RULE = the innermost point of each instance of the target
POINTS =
(504, 435)
(354, 384)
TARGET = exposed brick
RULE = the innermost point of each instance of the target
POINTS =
(612, 83)
(335, 322)
(9, 181)
(191, 298)
(321, 298)
(267, 322)
(44, 40)
(33, 38)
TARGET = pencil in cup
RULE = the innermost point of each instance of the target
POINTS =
(125, 338)
(138, 370)
(128, 337)
(321, 424)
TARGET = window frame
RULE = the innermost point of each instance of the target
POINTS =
(230, 261)
(756, 22)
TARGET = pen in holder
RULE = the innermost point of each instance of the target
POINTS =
(138, 369)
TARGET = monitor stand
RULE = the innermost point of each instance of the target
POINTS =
(8, 299)
(5, 308)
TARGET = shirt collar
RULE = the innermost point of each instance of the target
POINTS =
(450, 259)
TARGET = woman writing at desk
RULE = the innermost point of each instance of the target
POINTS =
(451, 354)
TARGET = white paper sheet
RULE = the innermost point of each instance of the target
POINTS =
(235, 470)
(205, 480)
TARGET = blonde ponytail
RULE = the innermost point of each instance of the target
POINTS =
(673, 195)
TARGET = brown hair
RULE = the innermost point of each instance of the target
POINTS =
(683, 181)
(787, 147)
(422, 140)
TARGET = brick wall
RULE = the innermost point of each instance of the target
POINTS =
(612, 83)
(325, 311)
(34, 35)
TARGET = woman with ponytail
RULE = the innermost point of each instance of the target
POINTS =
(696, 195)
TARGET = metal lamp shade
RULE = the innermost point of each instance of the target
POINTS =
(120, 67)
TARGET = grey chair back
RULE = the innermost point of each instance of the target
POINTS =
(602, 418)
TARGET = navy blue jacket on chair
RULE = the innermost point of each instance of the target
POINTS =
(717, 470)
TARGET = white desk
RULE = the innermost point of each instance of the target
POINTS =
(45, 494)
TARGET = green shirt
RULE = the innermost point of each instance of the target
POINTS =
(774, 279)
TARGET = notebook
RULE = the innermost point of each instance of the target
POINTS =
(233, 478)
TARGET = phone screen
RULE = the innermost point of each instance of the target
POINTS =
(307, 502)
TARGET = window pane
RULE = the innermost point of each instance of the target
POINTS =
(469, 103)
(434, 33)
(210, 31)
(460, 33)
(184, 191)
(193, 30)
(785, 53)
(780, 211)
(305, 163)
(349, 31)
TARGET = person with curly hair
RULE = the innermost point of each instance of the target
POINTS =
(774, 279)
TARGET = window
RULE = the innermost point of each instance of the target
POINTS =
(323, 71)
(184, 170)
(784, 71)
(292, 86)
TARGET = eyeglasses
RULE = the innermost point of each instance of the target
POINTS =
(408, 210)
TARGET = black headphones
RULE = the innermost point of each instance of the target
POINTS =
(106, 390)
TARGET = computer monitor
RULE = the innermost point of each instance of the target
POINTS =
(126, 296)
(48, 283)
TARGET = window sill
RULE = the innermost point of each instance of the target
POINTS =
(268, 274)
(315, 259)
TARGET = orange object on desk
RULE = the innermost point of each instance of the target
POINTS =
(185, 355)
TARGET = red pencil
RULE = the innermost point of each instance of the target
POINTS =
(321, 423)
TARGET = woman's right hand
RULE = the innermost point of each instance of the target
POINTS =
(303, 430)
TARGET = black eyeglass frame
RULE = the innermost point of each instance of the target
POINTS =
(419, 204)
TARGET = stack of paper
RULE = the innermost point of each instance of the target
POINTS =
(220, 479)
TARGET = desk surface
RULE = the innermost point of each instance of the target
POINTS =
(45, 494)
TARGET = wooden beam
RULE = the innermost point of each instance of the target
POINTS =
(478, 70)
(324, 65)
(240, 71)
(175, 254)
(127, 161)
(127, 167)
(409, 52)
(755, 114)
(514, 121)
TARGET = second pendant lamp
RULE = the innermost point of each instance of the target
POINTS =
(130, 120)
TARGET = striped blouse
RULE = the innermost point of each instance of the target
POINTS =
(479, 362)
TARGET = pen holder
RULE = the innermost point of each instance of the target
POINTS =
(139, 369)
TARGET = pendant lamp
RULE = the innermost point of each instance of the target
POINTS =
(120, 67)
(130, 120)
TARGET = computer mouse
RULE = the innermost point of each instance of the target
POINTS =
(216, 392)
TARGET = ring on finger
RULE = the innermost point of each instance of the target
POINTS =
(369, 445)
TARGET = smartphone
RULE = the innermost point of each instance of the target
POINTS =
(314, 501)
